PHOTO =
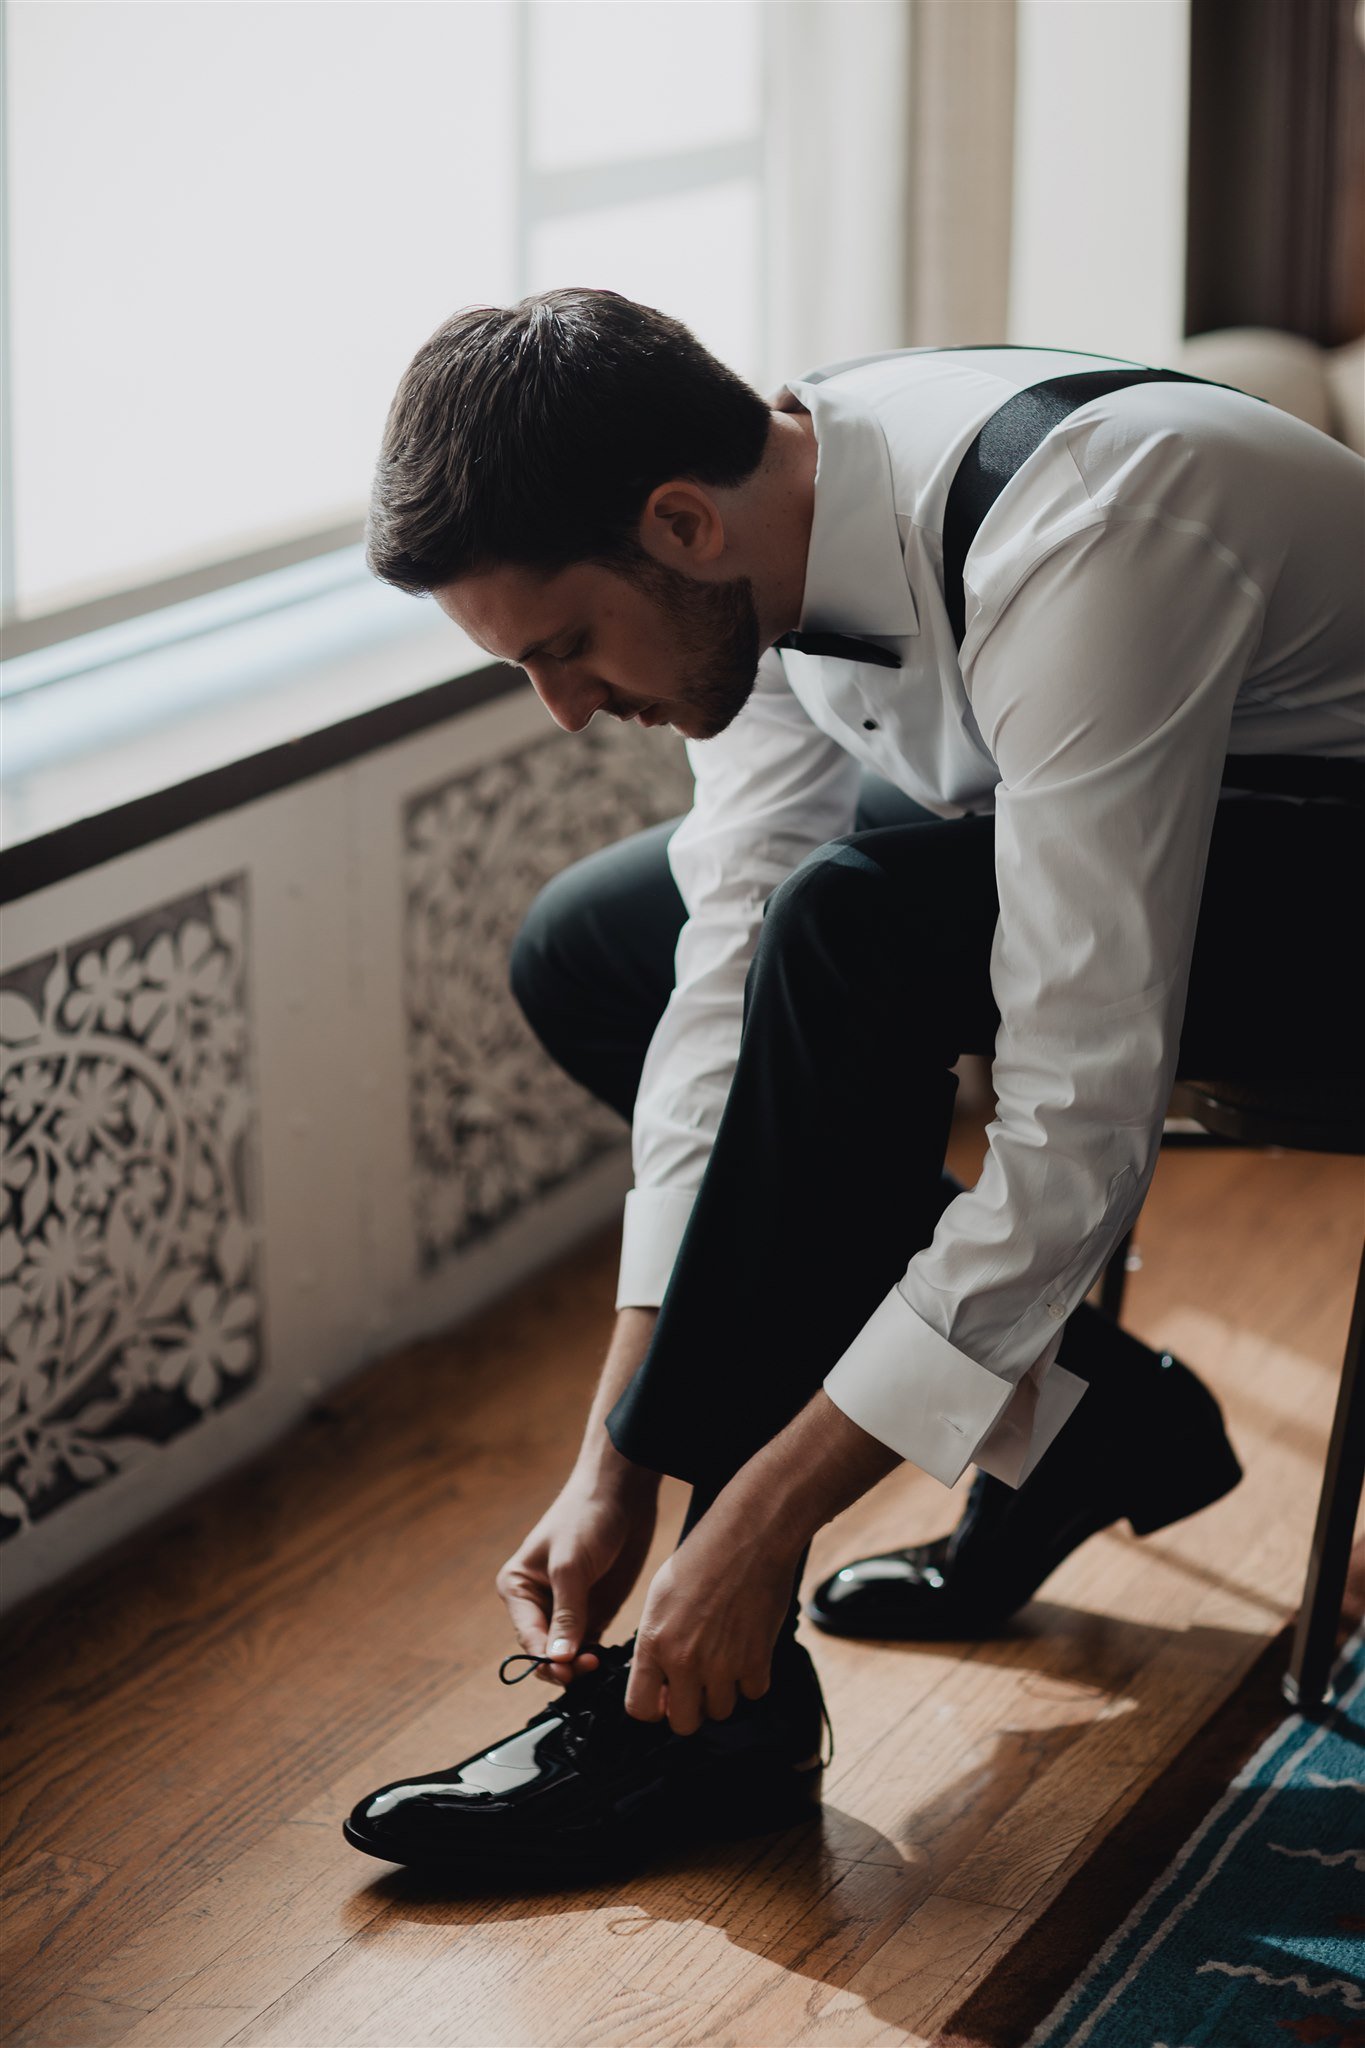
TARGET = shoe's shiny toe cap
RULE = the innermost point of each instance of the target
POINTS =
(889, 1593)
(414, 1819)
(444, 1813)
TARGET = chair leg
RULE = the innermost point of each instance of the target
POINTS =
(1116, 1278)
(1310, 1660)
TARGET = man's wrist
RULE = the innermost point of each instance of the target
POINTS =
(817, 1466)
(600, 1466)
(602, 1469)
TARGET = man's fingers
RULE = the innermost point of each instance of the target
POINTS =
(645, 1686)
(683, 1704)
(719, 1699)
(531, 1630)
(652, 1693)
(569, 1592)
(526, 1612)
(527, 1616)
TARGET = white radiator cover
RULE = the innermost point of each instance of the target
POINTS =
(270, 1110)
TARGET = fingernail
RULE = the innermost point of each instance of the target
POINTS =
(560, 1647)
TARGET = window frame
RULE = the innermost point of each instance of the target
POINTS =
(540, 196)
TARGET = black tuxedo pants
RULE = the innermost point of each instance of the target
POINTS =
(870, 979)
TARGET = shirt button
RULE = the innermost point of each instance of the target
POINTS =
(869, 725)
(1056, 1309)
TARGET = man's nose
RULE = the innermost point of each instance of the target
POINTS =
(570, 700)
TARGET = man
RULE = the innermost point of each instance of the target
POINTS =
(907, 842)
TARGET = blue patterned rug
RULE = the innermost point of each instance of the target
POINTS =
(1254, 1937)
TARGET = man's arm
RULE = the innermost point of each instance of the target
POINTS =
(817, 1465)
(809, 1473)
(1105, 692)
(599, 1461)
(716, 1607)
(769, 789)
(1107, 705)
(567, 1578)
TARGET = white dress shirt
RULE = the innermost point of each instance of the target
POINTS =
(1174, 575)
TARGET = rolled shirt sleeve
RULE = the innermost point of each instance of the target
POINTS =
(1104, 690)
(768, 790)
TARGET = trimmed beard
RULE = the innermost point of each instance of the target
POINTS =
(716, 625)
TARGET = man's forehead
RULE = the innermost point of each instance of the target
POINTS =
(513, 610)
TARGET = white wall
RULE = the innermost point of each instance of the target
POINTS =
(837, 137)
(1098, 256)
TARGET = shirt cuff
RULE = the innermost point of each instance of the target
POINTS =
(652, 1228)
(922, 1397)
(1036, 1411)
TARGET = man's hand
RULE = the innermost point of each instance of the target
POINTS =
(715, 1610)
(567, 1579)
(711, 1620)
(564, 1583)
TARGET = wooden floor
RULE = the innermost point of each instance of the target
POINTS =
(183, 1734)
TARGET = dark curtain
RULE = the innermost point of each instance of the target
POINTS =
(1276, 168)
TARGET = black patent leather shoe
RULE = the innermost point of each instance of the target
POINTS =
(585, 1791)
(1146, 1444)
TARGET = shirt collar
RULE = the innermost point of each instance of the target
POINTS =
(856, 581)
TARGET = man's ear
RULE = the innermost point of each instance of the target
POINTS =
(681, 525)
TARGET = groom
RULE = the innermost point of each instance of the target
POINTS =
(966, 646)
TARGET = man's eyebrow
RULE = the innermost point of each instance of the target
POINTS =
(541, 645)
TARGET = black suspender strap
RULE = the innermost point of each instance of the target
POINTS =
(1324, 777)
(1002, 446)
(1005, 443)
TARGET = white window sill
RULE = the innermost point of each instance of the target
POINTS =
(132, 729)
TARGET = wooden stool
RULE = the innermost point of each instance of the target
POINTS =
(1329, 1118)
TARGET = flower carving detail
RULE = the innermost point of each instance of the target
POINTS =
(128, 1301)
(494, 1122)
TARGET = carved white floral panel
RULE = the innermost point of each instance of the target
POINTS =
(495, 1123)
(129, 1289)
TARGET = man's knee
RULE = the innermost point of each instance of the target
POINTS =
(930, 889)
(602, 933)
(899, 922)
(828, 896)
(549, 935)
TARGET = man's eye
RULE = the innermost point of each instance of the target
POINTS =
(572, 653)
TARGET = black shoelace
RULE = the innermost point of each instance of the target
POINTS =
(609, 1661)
(521, 1657)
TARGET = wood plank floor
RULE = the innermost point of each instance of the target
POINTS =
(183, 1730)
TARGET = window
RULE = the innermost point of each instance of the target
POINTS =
(230, 225)
(659, 192)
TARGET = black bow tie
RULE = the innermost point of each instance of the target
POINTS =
(839, 647)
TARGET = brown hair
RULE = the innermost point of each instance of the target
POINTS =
(533, 434)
